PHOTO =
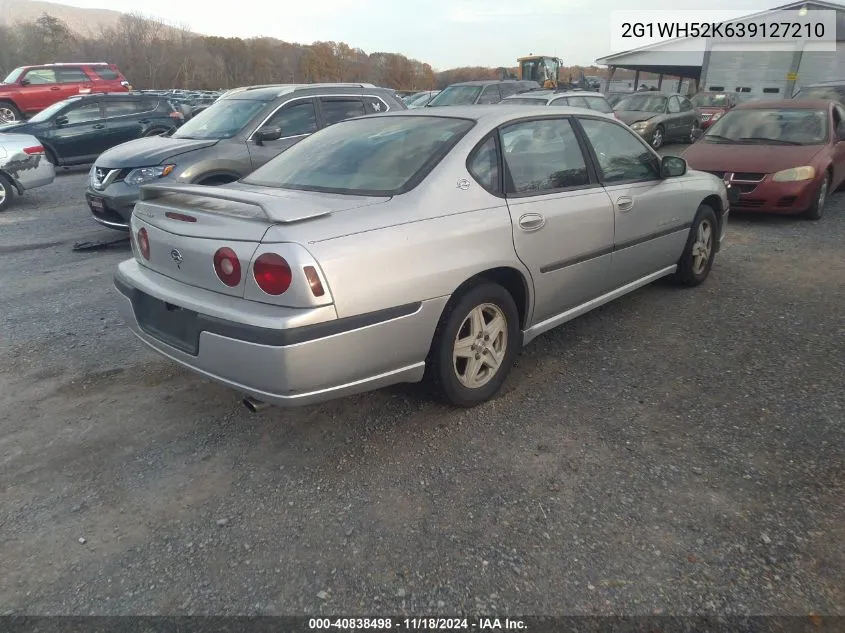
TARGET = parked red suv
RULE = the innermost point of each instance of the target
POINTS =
(29, 89)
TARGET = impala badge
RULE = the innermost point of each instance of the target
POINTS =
(176, 256)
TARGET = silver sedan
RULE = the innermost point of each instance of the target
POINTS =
(413, 245)
(23, 166)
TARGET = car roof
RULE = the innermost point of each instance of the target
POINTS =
(268, 92)
(487, 82)
(494, 114)
(787, 104)
(548, 94)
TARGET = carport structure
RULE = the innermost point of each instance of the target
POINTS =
(674, 58)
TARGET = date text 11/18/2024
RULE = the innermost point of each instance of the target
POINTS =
(417, 624)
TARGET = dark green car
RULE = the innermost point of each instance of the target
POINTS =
(77, 130)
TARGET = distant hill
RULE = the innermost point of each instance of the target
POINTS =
(78, 20)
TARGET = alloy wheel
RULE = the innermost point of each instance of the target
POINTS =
(657, 139)
(6, 115)
(480, 345)
(702, 247)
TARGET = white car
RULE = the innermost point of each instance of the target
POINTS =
(23, 166)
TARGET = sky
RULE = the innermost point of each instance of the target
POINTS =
(443, 33)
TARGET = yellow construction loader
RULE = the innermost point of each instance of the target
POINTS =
(545, 70)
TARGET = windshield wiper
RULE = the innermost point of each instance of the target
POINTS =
(721, 139)
(764, 139)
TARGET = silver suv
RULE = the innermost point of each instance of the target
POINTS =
(237, 134)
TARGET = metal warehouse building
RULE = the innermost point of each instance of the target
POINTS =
(768, 74)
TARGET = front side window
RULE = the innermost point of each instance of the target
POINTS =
(47, 113)
(378, 156)
(222, 119)
(85, 113)
(620, 153)
(674, 105)
(40, 76)
(770, 127)
(295, 119)
(543, 156)
(336, 109)
(490, 95)
(483, 164)
(456, 95)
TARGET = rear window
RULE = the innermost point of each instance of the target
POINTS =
(378, 156)
(104, 72)
(456, 95)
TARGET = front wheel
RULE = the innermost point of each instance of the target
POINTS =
(658, 137)
(816, 211)
(474, 345)
(700, 250)
(9, 113)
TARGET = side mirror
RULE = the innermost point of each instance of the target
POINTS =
(672, 166)
(697, 133)
(25, 82)
(60, 120)
(267, 134)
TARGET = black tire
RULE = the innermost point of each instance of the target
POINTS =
(816, 210)
(658, 137)
(442, 369)
(51, 157)
(7, 107)
(691, 137)
(689, 273)
(7, 192)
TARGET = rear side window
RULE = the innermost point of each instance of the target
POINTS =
(104, 72)
(599, 104)
(373, 105)
(508, 89)
(337, 109)
(113, 108)
(543, 156)
(483, 164)
(71, 76)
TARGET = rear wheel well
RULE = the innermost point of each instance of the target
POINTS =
(511, 280)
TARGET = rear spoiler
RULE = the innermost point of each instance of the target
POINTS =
(275, 208)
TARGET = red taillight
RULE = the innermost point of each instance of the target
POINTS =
(314, 281)
(227, 266)
(38, 149)
(144, 243)
(272, 273)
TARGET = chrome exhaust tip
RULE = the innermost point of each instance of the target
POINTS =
(254, 405)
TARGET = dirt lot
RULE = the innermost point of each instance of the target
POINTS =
(679, 450)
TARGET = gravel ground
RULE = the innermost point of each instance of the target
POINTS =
(678, 451)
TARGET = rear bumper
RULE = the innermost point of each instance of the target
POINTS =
(42, 174)
(285, 356)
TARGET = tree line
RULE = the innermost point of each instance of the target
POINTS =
(155, 55)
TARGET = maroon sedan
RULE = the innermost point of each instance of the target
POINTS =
(712, 106)
(783, 156)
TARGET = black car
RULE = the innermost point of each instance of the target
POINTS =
(77, 130)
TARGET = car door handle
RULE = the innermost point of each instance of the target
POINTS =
(624, 203)
(99, 126)
(532, 222)
(55, 88)
(144, 121)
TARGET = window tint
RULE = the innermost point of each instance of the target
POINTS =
(71, 76)
(599, 104)
(339, 109)
(374, 104)
(106, 73)
(674, 105)
(84, 113)
(40, 76)
(371, 156)
(621, 154)
(508, 89)
(120, 108)
(484, 165)
(490, 94)
(296, 118)
(543, 156)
